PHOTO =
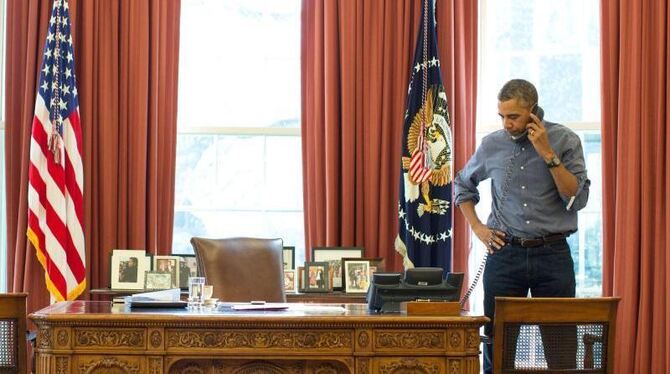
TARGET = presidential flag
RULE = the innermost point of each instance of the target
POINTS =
(56, 175)
(425, 199)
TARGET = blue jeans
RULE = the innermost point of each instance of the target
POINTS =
(547, 271)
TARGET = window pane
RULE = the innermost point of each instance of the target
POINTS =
(239, 63)
(586, 244)
(535, 40)
(237, 185)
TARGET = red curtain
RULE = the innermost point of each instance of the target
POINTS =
(126, 60)
(355, 71)
(636, 176)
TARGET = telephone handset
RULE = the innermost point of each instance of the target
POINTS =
(537, 111)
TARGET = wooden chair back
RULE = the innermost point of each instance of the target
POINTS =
(13, 333)
(542, 335)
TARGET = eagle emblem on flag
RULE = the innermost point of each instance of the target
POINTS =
(429, 126)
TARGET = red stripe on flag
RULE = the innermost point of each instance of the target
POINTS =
(76, 128)
(74, 261)
(53, 221)
(57, 228)
(50, 268)
(74, 191)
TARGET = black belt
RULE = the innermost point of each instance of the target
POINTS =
(535, 242)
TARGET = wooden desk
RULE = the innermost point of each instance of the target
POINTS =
(309, 297)
(98, 337)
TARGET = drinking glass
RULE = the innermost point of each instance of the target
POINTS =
(208, 290)
(196, 296)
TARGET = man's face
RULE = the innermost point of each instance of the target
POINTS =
(515, 116)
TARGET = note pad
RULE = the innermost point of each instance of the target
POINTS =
(265, 306)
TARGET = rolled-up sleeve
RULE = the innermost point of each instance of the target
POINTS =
(467, 180)
(573, 159)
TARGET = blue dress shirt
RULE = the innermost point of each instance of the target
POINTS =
(525, 200)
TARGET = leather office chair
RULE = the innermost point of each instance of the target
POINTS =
(536, 335)
(242, 269)
(13, 333)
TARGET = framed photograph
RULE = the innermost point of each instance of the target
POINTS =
(188, 267)
(357, 276)
(334, 255)
(376, 264)
(301, 278)
(289, 280)
(168, 265)
(289, 257)
(316, 277)
(127, 268)
(155, 280)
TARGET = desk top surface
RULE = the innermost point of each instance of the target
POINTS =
(98, 312)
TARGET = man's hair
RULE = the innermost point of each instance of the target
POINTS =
(519, 89)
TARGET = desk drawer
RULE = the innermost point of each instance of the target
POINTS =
(109, 339)
(431, 365)
(252, 341)
(104, 364)
(411, 341)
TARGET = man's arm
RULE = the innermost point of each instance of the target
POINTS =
(565, 181)
(492, 239)
(467, 195)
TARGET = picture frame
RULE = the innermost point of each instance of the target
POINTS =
(188, 267)
(156, 280)
(127, 268)
(376, 264)
(357, 276)
(316, 276)
(168, 264)
(301, 278)
(334, 255)
(288, 256)
(289, 281)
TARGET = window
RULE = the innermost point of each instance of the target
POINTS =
(239, 168)
(537, 41)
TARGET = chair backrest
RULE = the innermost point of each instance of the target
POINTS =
(242, 269)
(13, 333)
(535, 335)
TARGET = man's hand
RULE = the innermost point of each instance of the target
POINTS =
(537, 134)
(492, 239)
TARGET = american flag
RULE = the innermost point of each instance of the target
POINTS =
(425, 200)
(56, 175)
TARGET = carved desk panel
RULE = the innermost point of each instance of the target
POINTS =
(98, 337)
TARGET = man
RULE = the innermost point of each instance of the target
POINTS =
(538, 183)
